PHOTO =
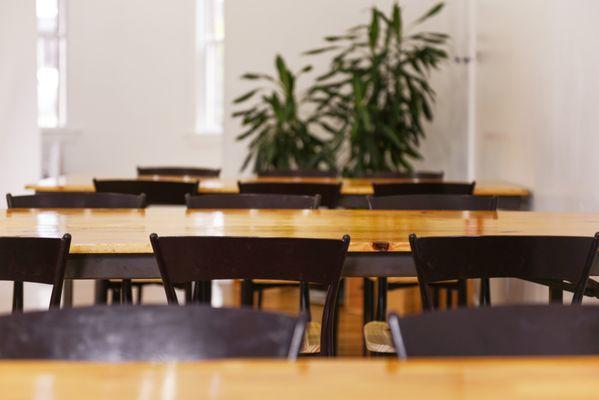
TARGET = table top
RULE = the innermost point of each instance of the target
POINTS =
(512, 378)
(213, 185)
(102, 231)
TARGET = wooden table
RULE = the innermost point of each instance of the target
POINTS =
(353, 190)
(115, 244)
(516, 378)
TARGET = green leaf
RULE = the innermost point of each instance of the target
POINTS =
(433, 11)
(253, 76)
(320, 50)
(373, 30)
(245, 96)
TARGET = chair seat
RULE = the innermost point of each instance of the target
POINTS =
(378, 337)
(311, 343)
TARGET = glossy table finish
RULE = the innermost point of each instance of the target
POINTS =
(115, 243)
(523, 378)
(351, 187)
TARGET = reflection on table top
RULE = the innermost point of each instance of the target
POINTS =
(518, 378)
(127, 231)
(211, 185)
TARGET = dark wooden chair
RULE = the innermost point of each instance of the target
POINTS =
(419, 202)
(529, 330)
(425, 175)
(449, 202)
(39, 260)
(149, 333)
(329, 193)
(562, 262)
(299, 173)
(178, 171)
(253, 201)
(157, 192)
(258, 201)
(392, 189)
(121, 291)
(77, 200)
(202, 259)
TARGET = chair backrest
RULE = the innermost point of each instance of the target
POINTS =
(531, 330)
(406, 175)
(157, 192)
(255, 201)
(32, 259)
(298, 173)
(178, 171)
(330, 193)
(533, 258)
(201, 258)
(149, 333)
(77, 200)
(392, 189)
(433, 202)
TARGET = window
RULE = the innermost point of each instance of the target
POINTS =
(51, 46)
(210, 62)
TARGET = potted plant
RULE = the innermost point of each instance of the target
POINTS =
(376, 94)
(279, 137)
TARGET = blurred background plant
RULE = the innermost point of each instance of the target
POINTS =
(376, 95)
(279, 138)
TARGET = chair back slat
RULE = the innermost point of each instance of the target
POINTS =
(524, 330)
(253, 201)
(428, 175)
(77, 200)
(149, 333)
(329, 193)
(157, 192)
(392, 189)
(178, 171)
(447, 202)
(299, 173)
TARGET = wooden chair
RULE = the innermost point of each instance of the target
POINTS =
(392, 189)
(252, 201)
(562, 261)
(258, 201)
(329, 193)
(530, 330)
(178, 171)
(425, 175)
(299, 173)
(39, 260)
(202, 259)
(157, 192)
(121, 291)
(77, 200)
(149, 333)
(448, 202)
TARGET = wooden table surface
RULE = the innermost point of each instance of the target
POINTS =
(104, 231)
(518, 378)
(352, 187)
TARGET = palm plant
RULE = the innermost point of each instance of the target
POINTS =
(279, 137)
(376, 96)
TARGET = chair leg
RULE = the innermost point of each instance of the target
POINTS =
(17, 297)
(260, 297)
(101, 292)
(126, 292)
(304, 299)
(556, 295)
(449, 298)
(485, 292)
(247, 293)
(140, 294)
(188, 293)
(462, 293)
(368, 301)
(436, 297)
(67, 293)
(381, 306)
(116, 295)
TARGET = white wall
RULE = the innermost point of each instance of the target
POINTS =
(131, 87)
(257, 30)
(19, 136)
(538, 91)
